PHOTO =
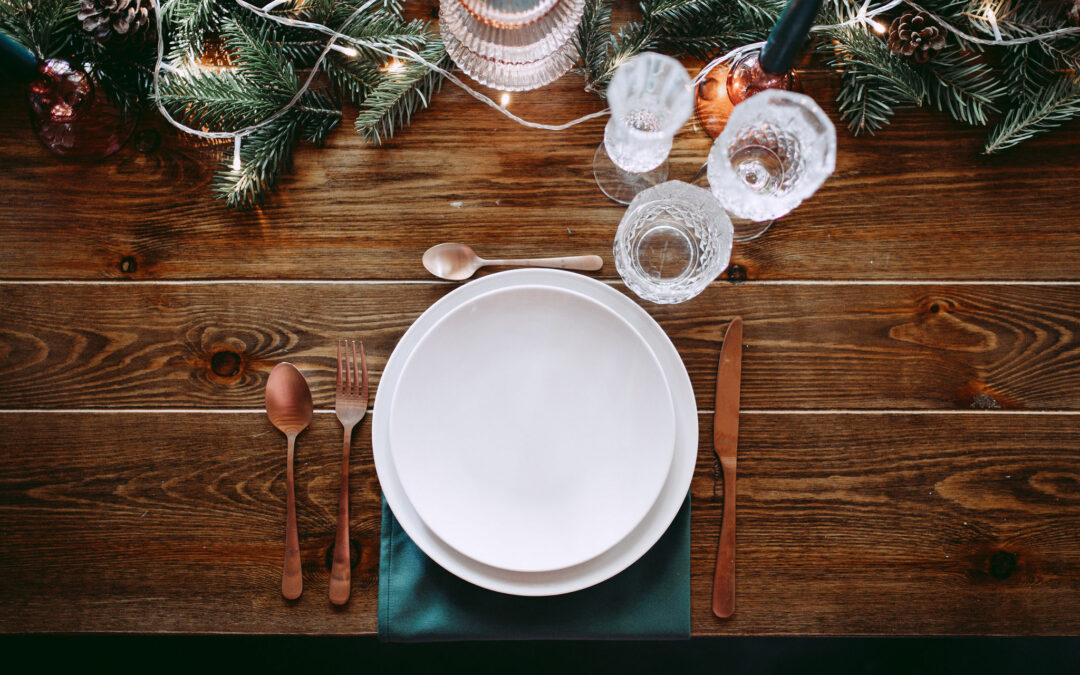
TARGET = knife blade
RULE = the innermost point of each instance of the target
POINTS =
(725, 445)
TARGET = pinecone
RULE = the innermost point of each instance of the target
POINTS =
(916, 35)
(114, 19)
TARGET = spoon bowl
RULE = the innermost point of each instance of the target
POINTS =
(288, 399)
(289, 407)
(455, 262)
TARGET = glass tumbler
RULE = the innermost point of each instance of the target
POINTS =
(777, 149)
(672, 241)
(511, 45)
(651, 97)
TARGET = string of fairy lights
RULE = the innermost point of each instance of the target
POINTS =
(398, 55)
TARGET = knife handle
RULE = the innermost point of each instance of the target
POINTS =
(723, 599)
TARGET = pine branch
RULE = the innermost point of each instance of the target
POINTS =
(593, 40)
(874, 81)
(391, 104)
(264, 156)
(252, 41)
(1026, 70)
(217, 100)
(353, 79)
(964, 86)
(319, 113)
(189, 22)
(1053, 108)
(45, 27)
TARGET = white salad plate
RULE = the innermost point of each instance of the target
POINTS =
(531, 428)
(613, 559)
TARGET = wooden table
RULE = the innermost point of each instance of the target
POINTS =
(910, 443)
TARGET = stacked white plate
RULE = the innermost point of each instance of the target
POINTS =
(535, 432)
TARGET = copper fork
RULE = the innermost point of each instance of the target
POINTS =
(350, 405)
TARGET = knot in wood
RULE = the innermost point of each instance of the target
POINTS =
(225, 363)
(127, 264)
(1002, 564)
(736, 274)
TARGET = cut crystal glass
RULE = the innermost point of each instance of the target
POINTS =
(777, 149)
(511, 45)
(651, 97)
(673, 240)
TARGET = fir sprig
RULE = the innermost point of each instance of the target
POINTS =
(262, 77)
(1049, 110)
(963, 85)
(874, 81)
(46, 27)
(392, 102)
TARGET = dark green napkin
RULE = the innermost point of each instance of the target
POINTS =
(420, 601)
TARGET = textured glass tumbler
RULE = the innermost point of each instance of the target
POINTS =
(777, 149)
(651, 97)
(673, 240)
(511, 45)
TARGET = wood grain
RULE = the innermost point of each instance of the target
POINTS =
(864, 524)
(918, 201)
(878, 520)
(807, 347)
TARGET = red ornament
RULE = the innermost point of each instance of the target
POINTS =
(71, 116)
(61, 92)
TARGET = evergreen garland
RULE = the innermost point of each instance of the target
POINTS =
(242, 68)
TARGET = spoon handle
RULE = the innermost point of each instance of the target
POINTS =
(341, 571)
(585, 263)
(292, 581)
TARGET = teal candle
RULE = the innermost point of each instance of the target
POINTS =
(16, 61)
(788, 35)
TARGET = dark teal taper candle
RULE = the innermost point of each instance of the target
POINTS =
(16, 61)
(788, 36)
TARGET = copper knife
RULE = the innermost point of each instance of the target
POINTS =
(725, 445)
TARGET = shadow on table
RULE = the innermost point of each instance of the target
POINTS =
(255, 654)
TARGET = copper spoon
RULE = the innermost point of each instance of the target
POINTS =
(289, 407)
(457, 262)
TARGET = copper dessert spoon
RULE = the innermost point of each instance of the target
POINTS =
(289, 407)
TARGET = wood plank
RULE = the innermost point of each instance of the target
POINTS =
(807, 346)
(917, 201)
(848, 524)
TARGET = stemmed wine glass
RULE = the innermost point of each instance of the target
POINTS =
(651, 97)
(777, 149)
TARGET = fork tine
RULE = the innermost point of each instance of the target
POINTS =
(354, 381)
(363, 365)
(339, 366)
(349, 383)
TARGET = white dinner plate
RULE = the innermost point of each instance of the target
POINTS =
(531, 428)
(618, 557)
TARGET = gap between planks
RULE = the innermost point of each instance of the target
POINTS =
(330, 411)
(439, 282)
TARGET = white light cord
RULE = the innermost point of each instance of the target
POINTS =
(239, 133)
(405, 54)
(864, 16)
(393, 51)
